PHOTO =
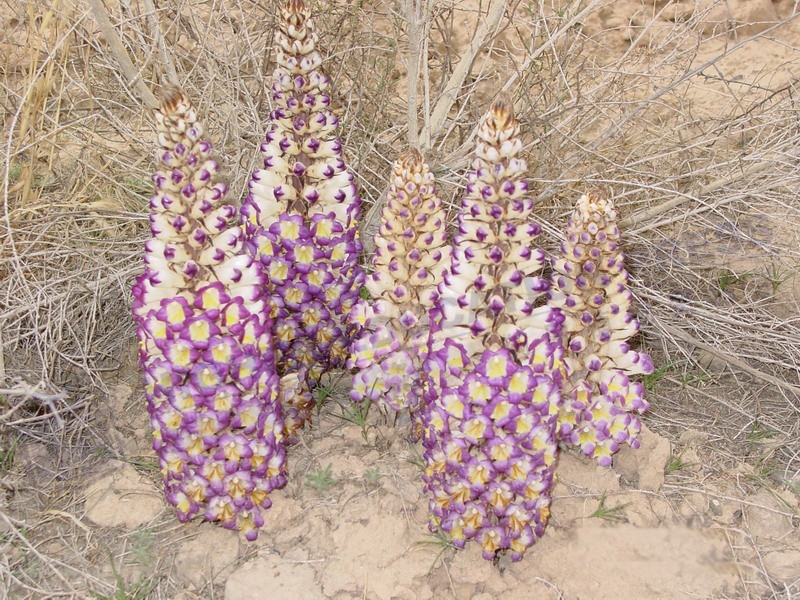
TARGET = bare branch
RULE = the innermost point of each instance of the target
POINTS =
(158, 35)
(486, 31)
(130, 73)
(414, 16)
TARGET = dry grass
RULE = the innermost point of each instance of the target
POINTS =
(708, 196)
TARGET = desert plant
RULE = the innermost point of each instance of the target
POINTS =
(410, 256)
(301, 218)
(601, 402)
(494, 365)
(204, 337)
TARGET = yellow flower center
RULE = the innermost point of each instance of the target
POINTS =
(294, 296)
(196, 446)
(497, 367)
(159, 330)
(236, 488)
(266, 249)
(223, 400)
(315, 277)
(208, 378)
(211, 298)
(221, 353)
(519, 383)
(199, 331)
(290, 230)
(479, 391)
(304, 254)
(324, 228)
(278, 270)
(180, 355)
(208, 426)
(214, 471)
(475, 429)
(175, 313)
(501, 410)
(501, 451)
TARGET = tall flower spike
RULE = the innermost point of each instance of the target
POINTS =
(495, 362)
(204, 339)
(601, 402)
(301, 218)
(410, 256)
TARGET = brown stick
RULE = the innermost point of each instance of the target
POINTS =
(413, 10)
(115, 44)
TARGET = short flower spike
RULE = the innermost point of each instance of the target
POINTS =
(495, 363)
(601, 402)
(301, 219)
(204, 336)
(410, 256)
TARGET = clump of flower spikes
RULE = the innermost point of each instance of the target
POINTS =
(410, 256)
(301, 218)
(601, 402)
(204, 337)
(494, 365)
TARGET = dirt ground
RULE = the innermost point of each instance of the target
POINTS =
(678, 518)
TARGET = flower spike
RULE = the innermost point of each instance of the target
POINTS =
(495, 363)
(601, 401)
(204, 339)
(410, 256)
(300, 219)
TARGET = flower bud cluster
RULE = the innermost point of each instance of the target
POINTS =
(495, 363)
(239, 316)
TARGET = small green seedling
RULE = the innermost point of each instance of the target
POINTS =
(694, 378)
(321, 479)
(7, 455)
(676, 463)
(760, 433)
(650, 381)
(777, 275)
(609, 513)
(416, 460)
(141, 589)
(140, 187)
(14, 172)
(729, 278)
(356, 413)
(145, 465)
(440, 540)
(323, 394)
(142, 546)
(373, 475)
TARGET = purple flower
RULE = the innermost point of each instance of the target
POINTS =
(409, 261)
(300, 219)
